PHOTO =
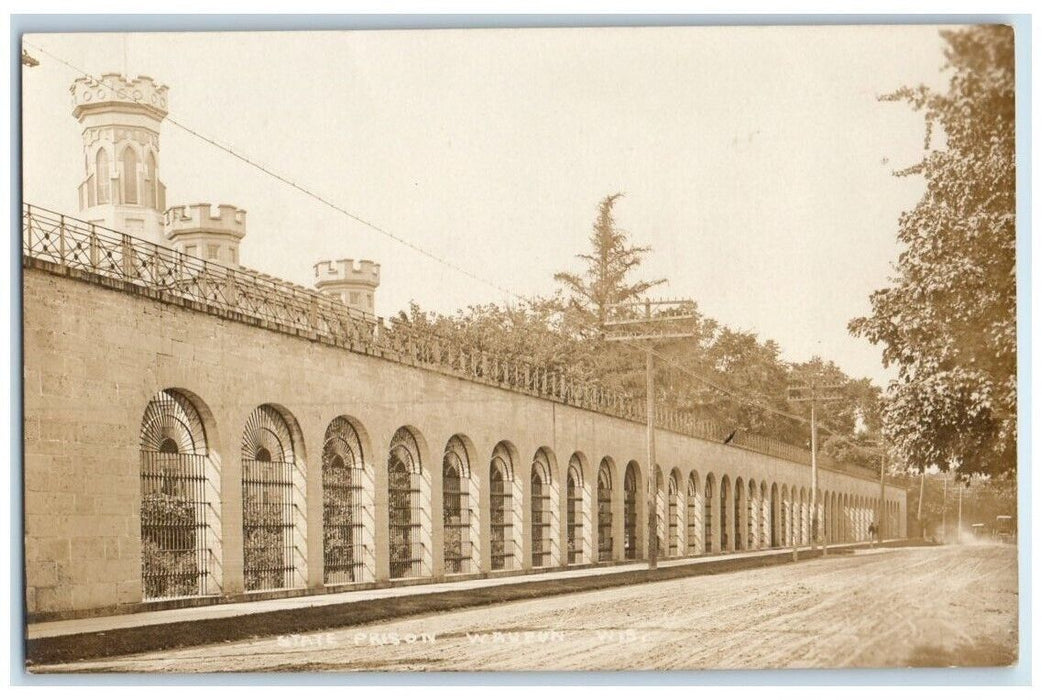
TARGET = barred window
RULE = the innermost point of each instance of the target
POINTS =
(269, 509)
(404, 506)
(604, 541)
(629, 520)
(541, 510)
(694, 525)
(456, 513)
(177, 514)
(501, 512)
(707, 510)
(343, 511)
(573, 511)
(673, 514)
(724, 496)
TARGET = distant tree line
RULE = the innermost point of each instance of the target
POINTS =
(566, 331)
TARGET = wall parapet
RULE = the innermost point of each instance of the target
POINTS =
(65, 245)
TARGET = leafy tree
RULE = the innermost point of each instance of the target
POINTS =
(948, 322)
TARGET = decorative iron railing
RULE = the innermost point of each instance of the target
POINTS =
(253, 297)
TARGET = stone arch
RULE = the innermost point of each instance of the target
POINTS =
(776, 539)
(801, 536)
(577, 530)
(764, 514)
(726, 511)
(459, 487)
(504, 508)
(605, 485)
(631, 510)
(674, 514)
(752, 520)
(348, 555)
(711, 515)
(695, 514)
(274, 517)
(543, 500)
(660, 514)
(180, 499)
(408, 506)
(741, 516)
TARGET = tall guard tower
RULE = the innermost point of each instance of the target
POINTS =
(120, 118)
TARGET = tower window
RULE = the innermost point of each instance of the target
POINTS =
(130, 195)
(211, 252)
(150, 181)
(101, 168)
(354, 298)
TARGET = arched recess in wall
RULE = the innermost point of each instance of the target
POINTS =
(503, 520)
(630, 491)
(457, 513)
(604, 515)
(726, 515)
(673, 514)
(775, 516)
(408, 507)
(347, 505)
(574, 510)
(766, 526)
(542, 509)
(710, 544)
(180, 498)
(752, 523)
(273, 520)
(695, 509)
(738, 515)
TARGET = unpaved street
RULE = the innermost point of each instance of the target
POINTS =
(884, 607)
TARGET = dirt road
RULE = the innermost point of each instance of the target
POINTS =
(935, 606)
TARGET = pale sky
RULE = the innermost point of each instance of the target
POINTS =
(755, 161)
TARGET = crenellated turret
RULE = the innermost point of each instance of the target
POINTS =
(120, 118)
(353, 282)
(203, 231)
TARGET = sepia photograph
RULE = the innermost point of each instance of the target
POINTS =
(498, 349)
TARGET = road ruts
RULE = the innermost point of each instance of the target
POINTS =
(875, 608)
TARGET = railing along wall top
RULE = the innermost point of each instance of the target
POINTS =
(248, 295)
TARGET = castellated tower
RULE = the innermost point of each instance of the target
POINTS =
(203, 232)
(120, 118)
(353, 283)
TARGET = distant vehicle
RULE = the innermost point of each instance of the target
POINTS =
(1005, 527)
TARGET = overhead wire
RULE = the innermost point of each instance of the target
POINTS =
(668, 361)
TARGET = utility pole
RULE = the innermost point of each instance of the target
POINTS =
(812, 390)
(646, 331)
